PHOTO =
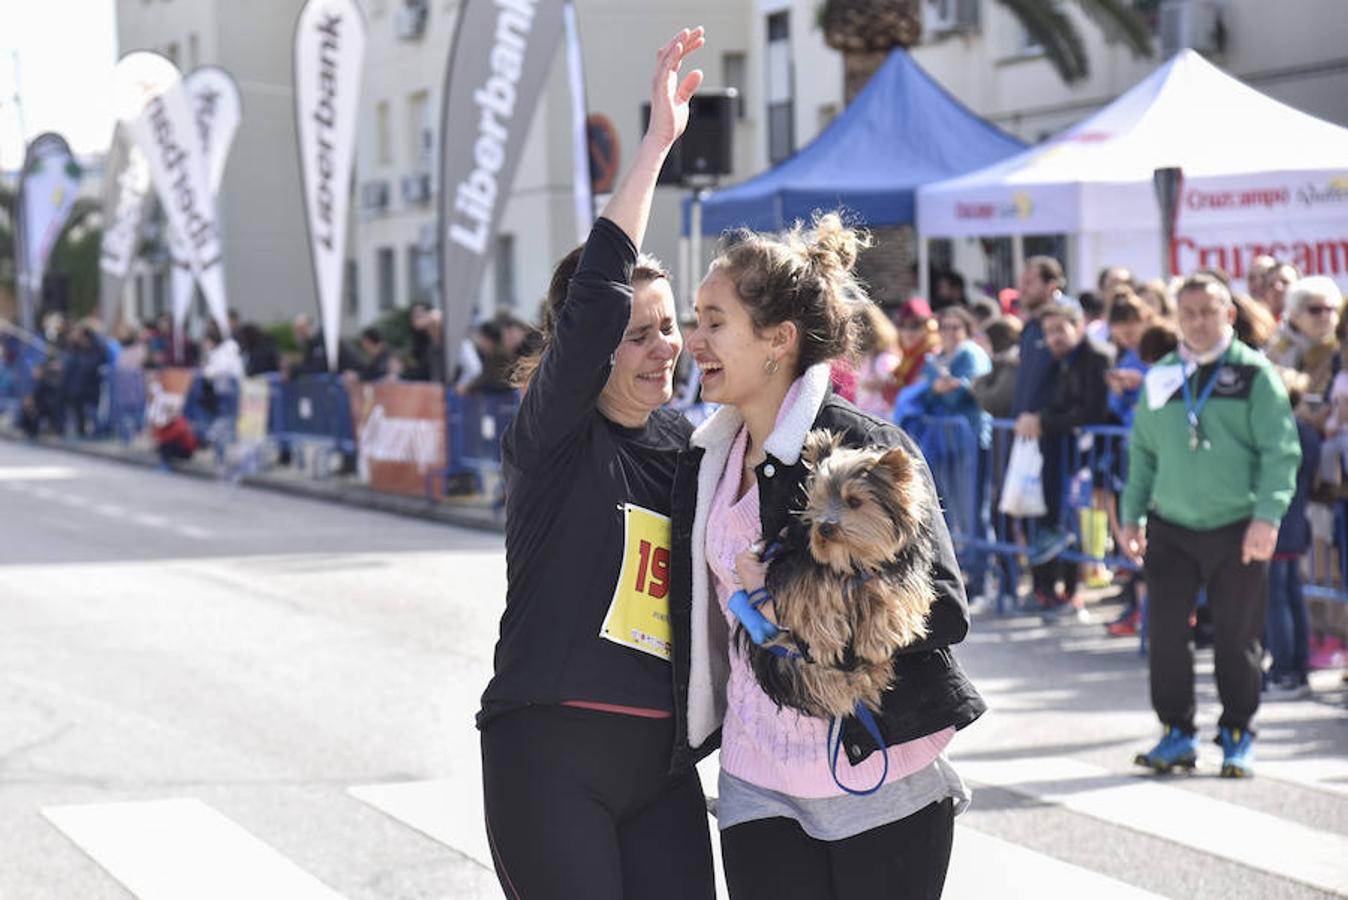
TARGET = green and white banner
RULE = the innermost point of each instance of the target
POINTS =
(47, 189)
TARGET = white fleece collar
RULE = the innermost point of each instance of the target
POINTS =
(788, 438)
(709, 649)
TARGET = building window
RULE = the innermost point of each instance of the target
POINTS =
(383, 133)
(504, 262)
(734, 73)
(351, 288)
(420, 275)
(419, 133)
(780, 90)
(388, 278)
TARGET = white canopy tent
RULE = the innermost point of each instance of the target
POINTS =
(1259, 177)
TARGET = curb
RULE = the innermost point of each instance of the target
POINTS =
(462, 515)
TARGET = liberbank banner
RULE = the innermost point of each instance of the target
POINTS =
(126, 202)
(216, 109)
(329, 55)
(153, 104)
(497, 69)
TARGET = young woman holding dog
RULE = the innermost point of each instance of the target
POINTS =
(577, 722)
(772, 312)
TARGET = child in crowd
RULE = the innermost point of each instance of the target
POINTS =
(877, 387)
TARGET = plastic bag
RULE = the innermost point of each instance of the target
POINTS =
(1023, 487)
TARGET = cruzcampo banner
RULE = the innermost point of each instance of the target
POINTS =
(216, 109)
(153, 102)
(47, 189)
(497, 69)
(126, 202)
(329, 56)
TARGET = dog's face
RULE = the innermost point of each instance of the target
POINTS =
(863, 507)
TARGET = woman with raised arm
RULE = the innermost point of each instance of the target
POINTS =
(577, 721)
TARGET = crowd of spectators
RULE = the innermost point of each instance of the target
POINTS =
(1052, 363)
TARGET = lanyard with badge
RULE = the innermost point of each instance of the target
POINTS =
(1193, 409)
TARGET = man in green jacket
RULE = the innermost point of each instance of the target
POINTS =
(1212, 468)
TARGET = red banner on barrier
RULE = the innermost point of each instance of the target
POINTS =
(400, 436)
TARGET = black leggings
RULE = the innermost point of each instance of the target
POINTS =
(774, 859)
(579, 803)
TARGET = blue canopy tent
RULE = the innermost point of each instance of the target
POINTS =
(902, 131)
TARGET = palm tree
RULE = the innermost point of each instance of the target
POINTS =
(865, 31)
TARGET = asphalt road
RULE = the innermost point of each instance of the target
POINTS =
(208, 691)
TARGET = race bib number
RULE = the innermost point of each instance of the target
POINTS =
(638, 617)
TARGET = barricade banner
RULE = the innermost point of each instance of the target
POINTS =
(400, 436)
(254, 407)
(329, 55)
(166, 394)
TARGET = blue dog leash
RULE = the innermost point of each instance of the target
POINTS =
(867, 720)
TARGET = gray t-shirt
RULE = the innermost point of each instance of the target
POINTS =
(836, 818)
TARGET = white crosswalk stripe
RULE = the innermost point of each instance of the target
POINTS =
(983, 866)
(1142, 803)
(171, 849)
(182, 847)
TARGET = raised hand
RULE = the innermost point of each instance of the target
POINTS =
(669, 94)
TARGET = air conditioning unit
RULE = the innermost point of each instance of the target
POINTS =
(949, 16)
(374, 196)
(411, 19)
(1191, 23)
(416, 188)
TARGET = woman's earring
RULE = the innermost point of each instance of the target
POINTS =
(770, 366)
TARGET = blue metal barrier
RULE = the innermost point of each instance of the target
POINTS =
(1092, 474)
(313, 413)
(125, 390)
(475, 423)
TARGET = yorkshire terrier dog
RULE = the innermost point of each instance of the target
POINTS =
(852, 583)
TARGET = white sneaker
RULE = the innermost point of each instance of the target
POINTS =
(1287, 689)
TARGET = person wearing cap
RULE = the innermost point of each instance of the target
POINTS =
(917, 338)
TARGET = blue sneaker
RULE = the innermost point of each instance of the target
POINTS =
(1237, 752)
(1176, 750)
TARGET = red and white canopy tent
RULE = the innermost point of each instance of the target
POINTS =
(1259, 177)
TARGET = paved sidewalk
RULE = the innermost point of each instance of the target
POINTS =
(475, 511)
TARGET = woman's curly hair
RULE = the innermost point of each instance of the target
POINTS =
(805, 276)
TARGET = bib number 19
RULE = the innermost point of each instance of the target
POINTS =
(653, 570)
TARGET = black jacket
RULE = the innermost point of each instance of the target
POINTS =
(1079, 393)
(931, 692)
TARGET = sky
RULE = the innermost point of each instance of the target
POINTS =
(65, 53)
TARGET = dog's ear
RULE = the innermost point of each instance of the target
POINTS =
(899, 463)
(818, 445)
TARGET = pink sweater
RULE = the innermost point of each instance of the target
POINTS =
(781, 750)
